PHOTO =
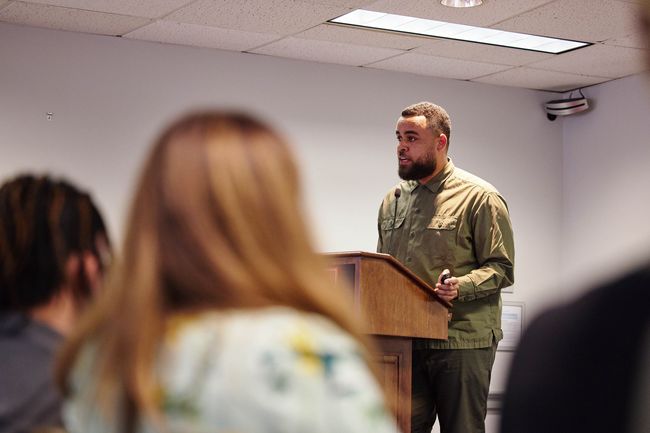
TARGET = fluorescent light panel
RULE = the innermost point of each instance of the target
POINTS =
(460, 32)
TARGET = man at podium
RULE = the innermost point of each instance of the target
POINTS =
(441, 218)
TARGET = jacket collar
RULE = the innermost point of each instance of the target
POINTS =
(435, 183)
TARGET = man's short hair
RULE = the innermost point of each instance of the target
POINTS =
(437, 117)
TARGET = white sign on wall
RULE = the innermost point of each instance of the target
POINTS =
(512, 319)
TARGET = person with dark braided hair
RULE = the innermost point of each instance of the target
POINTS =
(53, 249)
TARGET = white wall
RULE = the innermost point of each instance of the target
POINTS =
(110, 96)
(607, 184)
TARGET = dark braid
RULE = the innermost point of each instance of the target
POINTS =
(42, 222)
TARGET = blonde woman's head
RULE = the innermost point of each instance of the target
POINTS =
(217, 213)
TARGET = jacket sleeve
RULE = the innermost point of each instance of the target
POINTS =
(494, 249)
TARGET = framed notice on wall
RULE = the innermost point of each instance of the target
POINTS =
(512, 324)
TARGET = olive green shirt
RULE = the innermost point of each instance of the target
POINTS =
(459, 222)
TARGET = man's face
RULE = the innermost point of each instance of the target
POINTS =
(416, 148)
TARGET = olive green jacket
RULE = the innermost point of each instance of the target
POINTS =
(460, 222)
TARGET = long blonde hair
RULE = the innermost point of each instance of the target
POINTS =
(216, 224)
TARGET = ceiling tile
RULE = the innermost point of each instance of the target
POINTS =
(328, 52)
(200, 36)
(488, 13)
(481, 53)
(75, 20)
(586, 20)
(635, 40)
(350, 4)
(282, 17)
(597, 60)
(257, 25)
(349, 35)
(140, 8)
(541, 80)
(438, 66)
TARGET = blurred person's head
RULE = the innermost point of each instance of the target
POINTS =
(52, 245)
(216, 223)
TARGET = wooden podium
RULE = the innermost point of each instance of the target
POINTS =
(396, 306)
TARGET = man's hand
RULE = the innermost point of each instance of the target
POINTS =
(448, 289)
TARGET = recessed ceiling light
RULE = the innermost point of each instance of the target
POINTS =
(460, 32)
(461, 3)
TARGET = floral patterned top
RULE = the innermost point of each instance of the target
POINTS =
(270, 370)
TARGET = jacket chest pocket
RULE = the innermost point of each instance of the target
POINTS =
(388, 224)
(443, 223)
(441, 233)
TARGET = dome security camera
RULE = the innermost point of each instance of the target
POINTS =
(565, 107)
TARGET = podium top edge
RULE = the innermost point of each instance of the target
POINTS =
(395, 263)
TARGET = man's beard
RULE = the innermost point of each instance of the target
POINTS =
(423, 167)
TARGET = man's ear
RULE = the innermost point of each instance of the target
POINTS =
(83, 269)
(72, 267)
(91, 271)
(442, 142)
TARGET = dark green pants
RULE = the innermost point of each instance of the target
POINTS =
(452, 385)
